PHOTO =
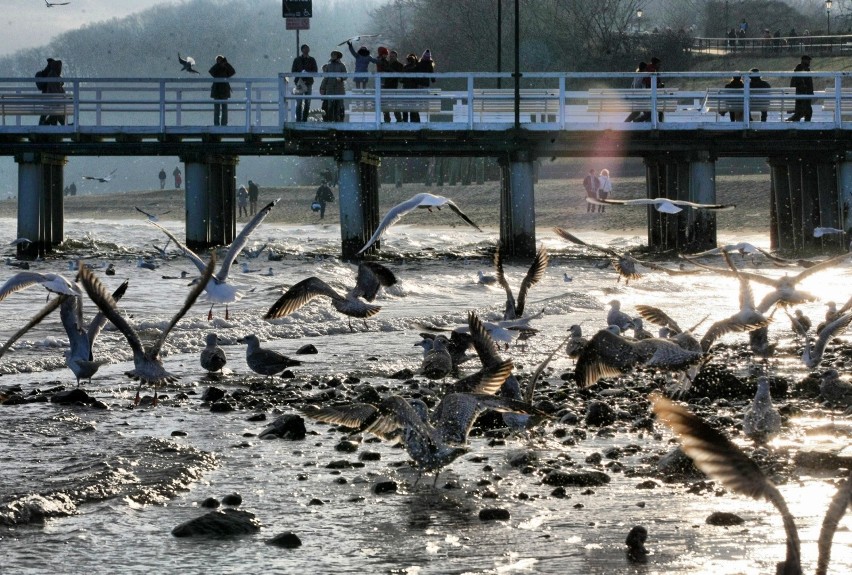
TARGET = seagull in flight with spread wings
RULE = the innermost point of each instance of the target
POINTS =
(664, 205)
(188, 64)
(102, 179)
(218, 289)
(52, 4)
(422, 200)
(151, 217)
(359, 38)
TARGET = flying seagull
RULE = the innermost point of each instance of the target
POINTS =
(101, 179)
(664, 205)
(52, 282)
(52, 4)
(819, 232)
(359, 38)
(515, 308)
(188, 64)
(151, 217)
(218, 289)
(422, 200)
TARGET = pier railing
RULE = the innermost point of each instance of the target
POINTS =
(837, 45)
(165, 107)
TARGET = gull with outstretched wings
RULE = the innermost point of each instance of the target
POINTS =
(188, 64)
(359, 38)
(664, 205)
(52, 4)
(423, 200)
(151, 217)
(102, 179)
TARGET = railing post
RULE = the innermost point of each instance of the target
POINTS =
(838, 99)
(98, 100)
(258, 119)
(248, 105)
(747, 101)
(377, 102)
(470, 102)
(162, 105)
(561, 102)
(654, 118)
(178, 105)
(76, 100)
(282, 99)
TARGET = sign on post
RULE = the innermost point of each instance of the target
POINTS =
(298, 9)
(297, 24)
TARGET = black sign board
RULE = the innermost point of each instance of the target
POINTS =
(298, 8)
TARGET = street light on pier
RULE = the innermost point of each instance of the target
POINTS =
(639, 19)
(828, 17)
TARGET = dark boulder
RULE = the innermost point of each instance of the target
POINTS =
(227, 523)
(287, 426)
(287, 540)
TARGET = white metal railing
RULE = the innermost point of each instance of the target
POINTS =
(462, 101)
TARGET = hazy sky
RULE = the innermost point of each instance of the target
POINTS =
(29, 23)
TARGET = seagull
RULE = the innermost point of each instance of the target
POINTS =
(719, 458)
(832, 313)
(54, 283)
(103, 179)
(162, 250)
(151, 217)
(218, 289)
(835, 390)
(762, 421)
(664, 205)
(576, 342)
(247, 270)
(265, 361)
(52, 4)
(437, 361)
(19, 241)
(371, 277)
(617, 317)
(624, 264)
(110, 270)
(359, 38)
(457, 345)
(486, 279)
(515, 309)
(212, 356)
(187, 64)
(422, 200)
(819, 232)
(81, 338)
(812, 354)
(148, 365)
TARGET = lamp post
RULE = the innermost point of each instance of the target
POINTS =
(828, 16)
(499, 39)
(639, 19)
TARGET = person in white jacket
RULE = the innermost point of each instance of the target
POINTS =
(604, 187)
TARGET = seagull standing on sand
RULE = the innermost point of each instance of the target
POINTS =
(762, 421)
(212, 356)
(423, 200)
(218, 289)
(371, 277)
(148, 365)
(813, 351)
(617, 317)
(515, 308)
(266, 361)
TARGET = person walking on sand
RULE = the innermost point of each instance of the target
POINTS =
(591, 184)
(253, 192)
(604, 188)
(323, 196)
(162, 178)
(178, 179)
(804, 85)
(242, 201)
(221, 91)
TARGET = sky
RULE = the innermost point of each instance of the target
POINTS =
(29, 23)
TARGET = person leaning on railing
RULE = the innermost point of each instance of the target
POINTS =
(334, 87)
(411, 83)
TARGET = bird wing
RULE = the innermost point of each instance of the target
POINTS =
(348, 415)
(534, 275)
(455, 415)
(488, 380)
(191, 255)
(19, 281)
(34, 321)
(658, 317)
(90, 177)
(483, 343)
(606, 355)
(206, 274)
(242, 239)
(718, 457)
(101, 298)
(150, 216)
(566, 235)
(733, 324)
(393, 216)
(462, 215)
(836, 509)
(511, 308)
(716, 207)
(371, 277)
(300, 294)
(829, 332)
(99, 321)
(731, 273)
(820, 266)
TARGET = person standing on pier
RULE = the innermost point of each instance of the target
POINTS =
(637, 84)
(304, 63)
(758, 83)
(334, 87)
(254, 192)
(162, 177)
(362, 63)
(389, 62)
(804, 85)
(591, 184)
(736, 83)
(410, 84)
(221, 91)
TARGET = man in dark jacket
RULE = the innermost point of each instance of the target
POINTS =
(389, 62)
(304, 63)
(410, 67)
(803, 85)
(221, 91)
(254, 192)
(52, 70)
(758, 83)
(736, 83)
(323, 196)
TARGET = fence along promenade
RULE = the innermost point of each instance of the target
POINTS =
(161, 107)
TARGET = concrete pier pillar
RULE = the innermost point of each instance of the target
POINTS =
(40, 203)
(701, 231)
(654, 188)
(358, 191)
(210, 199)
(517, 207)
(783, 207)
(830, 206)
(810, 206)
(844, 190)
(794, 179)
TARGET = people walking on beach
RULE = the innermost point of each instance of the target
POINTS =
(221, 91)
(591, 183)
(304, 63)
(178, 179)
(72, 189)
(362, 63)
(334, 87)
(322, 197)
(253, 192)
(804, 85)
(162, 177)
(242, 201)
(604, 188)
